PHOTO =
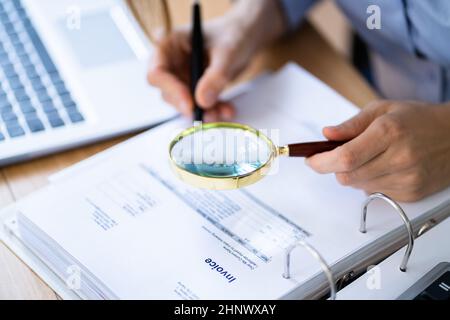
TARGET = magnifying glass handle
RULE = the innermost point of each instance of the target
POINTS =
(309, 149)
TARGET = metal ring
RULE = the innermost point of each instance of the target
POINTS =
(318, 257)
(402, 214)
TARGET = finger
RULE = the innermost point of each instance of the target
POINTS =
(226, 111)
(352, 154)
(375, 168)
(356, 125)
(174, 90)
(211, 115)
(214, 80)
(171, 99)
(221, 112)
(393, 185)
(387, 182)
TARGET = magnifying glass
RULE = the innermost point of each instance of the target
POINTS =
(224, 155)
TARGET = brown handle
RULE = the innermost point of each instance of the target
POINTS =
(309, 149)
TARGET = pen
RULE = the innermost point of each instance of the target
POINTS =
(197, 61)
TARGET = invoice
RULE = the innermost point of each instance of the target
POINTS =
(135, 231)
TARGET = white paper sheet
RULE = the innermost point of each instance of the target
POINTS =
(144, 234)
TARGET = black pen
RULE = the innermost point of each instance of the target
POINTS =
(197, 59)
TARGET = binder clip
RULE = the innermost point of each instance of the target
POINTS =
(318, 257)
(396, 206)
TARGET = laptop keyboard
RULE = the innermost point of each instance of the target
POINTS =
(33, 97)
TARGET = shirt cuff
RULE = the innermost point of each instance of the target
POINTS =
(295, 10)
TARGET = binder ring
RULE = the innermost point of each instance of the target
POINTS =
(318, 257)
(396, 206)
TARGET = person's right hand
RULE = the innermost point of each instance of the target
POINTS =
(230, 42)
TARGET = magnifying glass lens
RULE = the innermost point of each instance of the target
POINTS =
(221, 152)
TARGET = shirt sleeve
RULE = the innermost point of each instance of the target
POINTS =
(295, 10)
(430, 28)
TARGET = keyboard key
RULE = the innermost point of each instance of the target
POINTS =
(37, 84)
(5, 108)
(4, 59)
(4, 17)
(17, 4)
(20, 49)
(26, 106)
(31, 115)
(43, 96)
(2, 92)
(48, 106)
(76, 117)
(55, 77)
(35, 125)
(56, 122)
(5, 105)
(61, 88)
(9, 71)
(15, 40)
(22, 14)
(8, 66)
(21, 94)
(9, 27)
(15, 83)
(67, 100)
(6, 62)
(54, 119)
(14, 37)
(31, 72)
(15, 130)
(9, 116)
(71, 109)
(25, 60)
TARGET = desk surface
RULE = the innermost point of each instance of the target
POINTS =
(306, 47)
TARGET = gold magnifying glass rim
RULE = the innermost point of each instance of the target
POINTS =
(222, 183)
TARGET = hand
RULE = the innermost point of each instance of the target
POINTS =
(399, 148)
(230, 41)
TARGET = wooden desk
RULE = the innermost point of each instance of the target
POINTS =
(306, 47)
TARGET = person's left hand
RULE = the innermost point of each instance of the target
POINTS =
(399, 148)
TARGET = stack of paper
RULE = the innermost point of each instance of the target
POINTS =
(120, 225)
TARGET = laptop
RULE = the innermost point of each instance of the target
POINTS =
(71, 73)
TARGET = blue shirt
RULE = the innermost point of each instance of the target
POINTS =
(410, 53)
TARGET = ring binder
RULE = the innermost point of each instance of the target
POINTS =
(318, 257)
(425, 227)
(396, 206)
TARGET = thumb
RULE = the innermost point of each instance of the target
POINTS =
(356, 125)
(216, 77)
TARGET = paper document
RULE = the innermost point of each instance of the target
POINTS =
(136, 231)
